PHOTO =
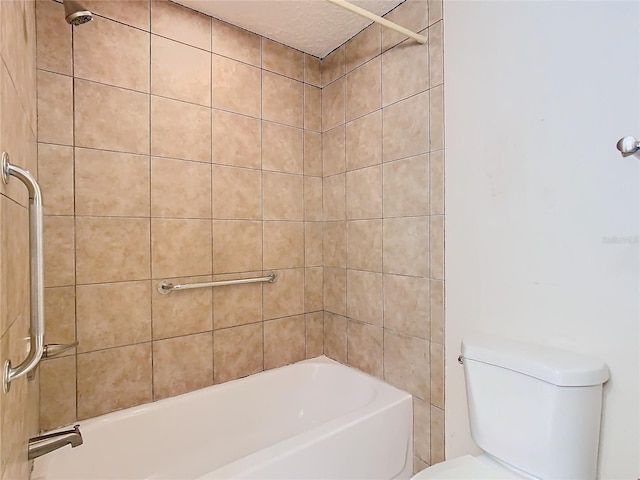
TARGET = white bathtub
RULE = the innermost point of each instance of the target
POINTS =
(314, 419)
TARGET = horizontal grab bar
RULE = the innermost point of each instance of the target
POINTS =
(165, 287)
(36, 331)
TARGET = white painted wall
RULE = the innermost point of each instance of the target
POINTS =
(542, 213)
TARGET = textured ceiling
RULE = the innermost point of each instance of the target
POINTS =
(314, 26)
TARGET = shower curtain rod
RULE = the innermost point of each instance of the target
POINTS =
(382, 21)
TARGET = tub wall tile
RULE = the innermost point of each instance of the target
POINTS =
(284, 341)
(57, 392)
(314, 334)
(182, 364)
(237, 352)
(125, 379)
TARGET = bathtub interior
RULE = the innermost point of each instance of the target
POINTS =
(190, 435)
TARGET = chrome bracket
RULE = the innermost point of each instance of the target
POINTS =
(5, 168)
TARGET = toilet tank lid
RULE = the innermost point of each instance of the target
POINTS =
(552, 365)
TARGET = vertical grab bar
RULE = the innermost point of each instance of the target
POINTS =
(36, 332)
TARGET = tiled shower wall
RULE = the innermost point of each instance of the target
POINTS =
(173, 146)
(383, 156)
(18, 407)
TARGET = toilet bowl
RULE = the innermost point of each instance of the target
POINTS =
(534, 411)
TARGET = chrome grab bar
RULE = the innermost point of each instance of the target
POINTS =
(36, 339)
(165, 287)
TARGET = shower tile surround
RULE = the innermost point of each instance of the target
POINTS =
(176, 146)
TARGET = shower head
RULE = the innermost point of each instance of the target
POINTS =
(76, 14)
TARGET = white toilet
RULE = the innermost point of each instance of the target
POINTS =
(534, 411)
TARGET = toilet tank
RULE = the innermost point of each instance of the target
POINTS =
(535, 408)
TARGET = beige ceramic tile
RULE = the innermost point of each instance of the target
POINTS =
(437, 311)
(364, 193)
(334, 244)
(283, 196)
(55, 108)
(363, 47)
(406, 128)
(57, 392)
(364, 296)
(112, 53)
(237, 246)
(234, 42)
(182, 364)
(55, 175)
(406, 363)
(412, 14)
(363, 89)
(405, 71)
(14, 259)
(436, 246)
(312, 199)
(333, 105)
(18, 48)
(111, 184)
(436, 178)
(180, 23)
(437, 435)
(282, 100)
(180, 71)
(236, 86)
(313, 154)
(283, 245)
(135, 14)
(184, 314)
(237, 193)
(282, 148)
(60, 315)
(169, 258)
(59, 259)
(313, 289)
(435, 11)
(284, 341)
(180, 188)
(281, 59)
(335, 337)
(17, 133)
(333, 198)
(312, 73)
(437, 375)
(436, 54)
(285, 297)
(312, 108)
(236, 140)
(333, 151)
(364, 246)
(54, 54)
(180, 130)
(364, 347)
(422, 429)
(406, 246)
(314, 334)
(125, 379)
(333, 66)
(335, 290)
(125, 239)
(436, 118)
(406, 305)
(406, 187)
(237, 352)
(364, 141)
(106, 127)
(113, 314)
(313, 244)
(237, 304)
